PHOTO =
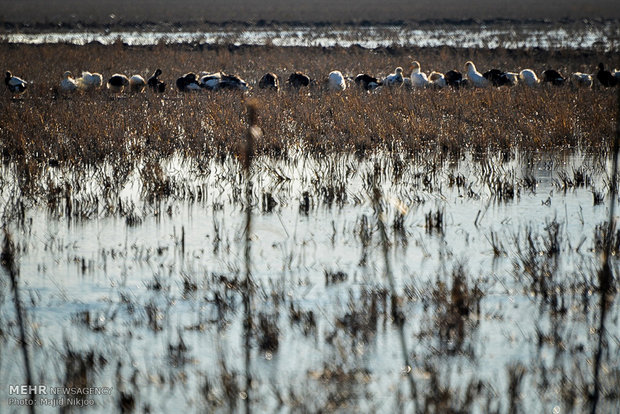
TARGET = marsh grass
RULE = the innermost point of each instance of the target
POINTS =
(86, 129)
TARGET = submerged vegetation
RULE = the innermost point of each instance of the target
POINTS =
(436, 251)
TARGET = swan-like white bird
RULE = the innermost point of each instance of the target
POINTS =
(68, 84)
(437, 79)
(117, 83)
(583, 80)
(16, 85)
(335, 81)
(90, 81)
(394, 79)
(475, 77)
(529, 78)
(418, 78)
(137, 84)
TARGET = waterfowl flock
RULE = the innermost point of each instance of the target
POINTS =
(336, 81)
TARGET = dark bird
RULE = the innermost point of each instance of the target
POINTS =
(16, 85)
(554, 77)
(367, 82)
(117, 83)
(500, 78)
(298, 80)
(155, 83)
(233, 82)
(269, 81)
(454, 78)
(220, 80)
(188, 82)
(605, 77)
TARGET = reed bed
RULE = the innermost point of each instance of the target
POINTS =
(89, 128)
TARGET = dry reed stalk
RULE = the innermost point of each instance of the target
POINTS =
(253, 133)
(7, 260)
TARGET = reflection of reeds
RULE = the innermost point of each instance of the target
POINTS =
(398, 316)
(252, 135)
(7, 261)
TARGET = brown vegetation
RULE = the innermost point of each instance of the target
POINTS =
(90, 128)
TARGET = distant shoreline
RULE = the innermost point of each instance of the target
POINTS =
(152, 26)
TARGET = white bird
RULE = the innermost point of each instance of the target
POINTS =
(437, 79)
(336, 81)
(418, 78)
(394, 79)
(475, 77)
(117, 83)
(16, 85)
(528, 77)
(90, 81)
(583, 80)
(68, 84)
(137, 83)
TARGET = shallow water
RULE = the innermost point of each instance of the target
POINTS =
(606, 37)
(117, 272)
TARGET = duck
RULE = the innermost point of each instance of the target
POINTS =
(529, 78)
(269, 81)
(90, 81)
(583, 80)
(335, 81)
(418, 78)
(298, 79)
(394, 79)
(455, 79)
(437, 79)
(16, 85)
(367, 82)
(137, 84)
(68, 84)
(117, 83)
(605, 77)
(188, 83)
(155, 83)
(554, 77)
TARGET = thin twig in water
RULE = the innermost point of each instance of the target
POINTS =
(252, 134)
(7, 259)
